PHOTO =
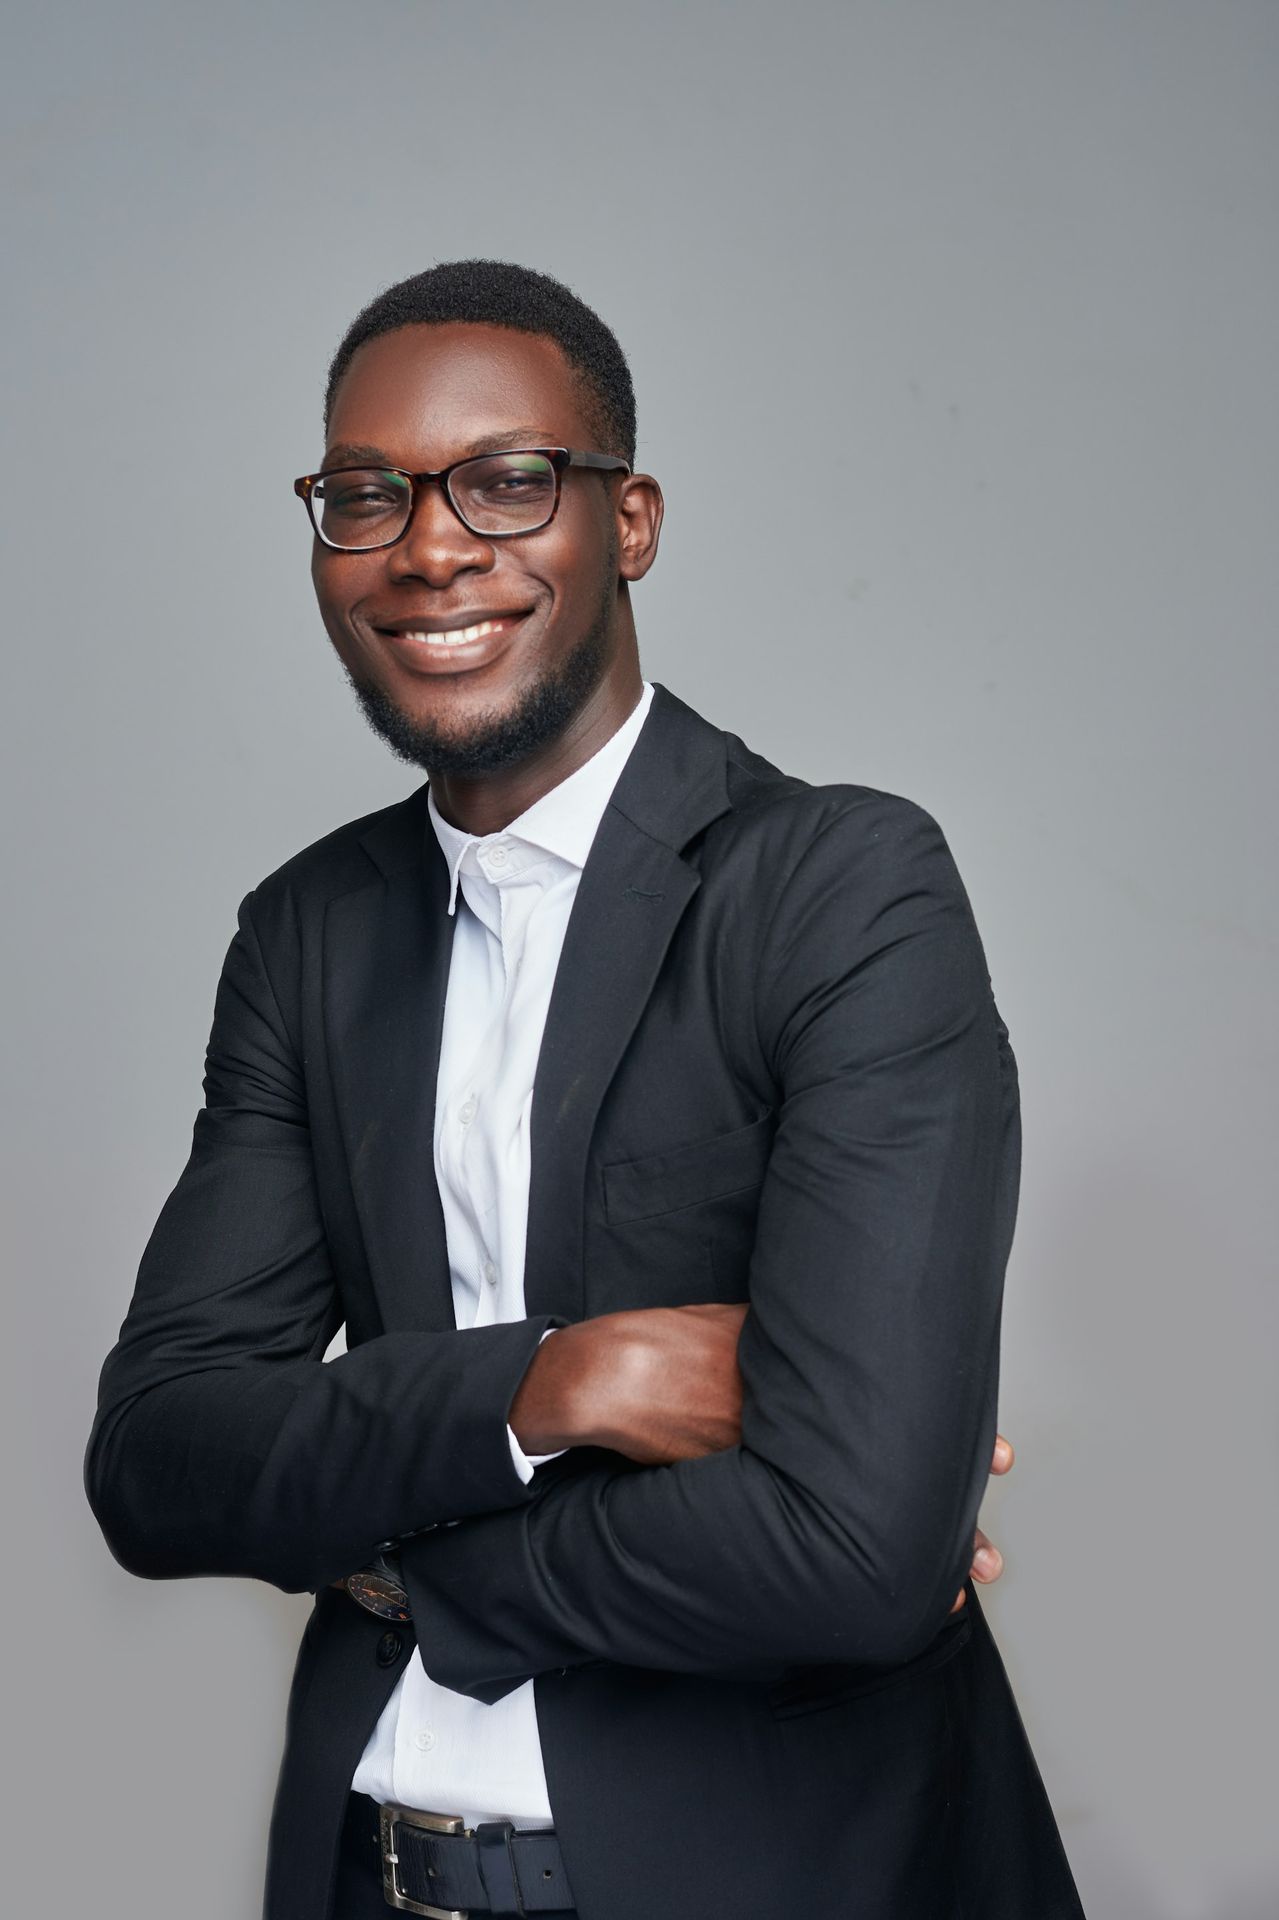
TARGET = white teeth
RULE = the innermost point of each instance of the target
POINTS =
(455, 636)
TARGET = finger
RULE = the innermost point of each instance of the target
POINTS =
(1004, 1455)
(988, 1561)
(961, 1602)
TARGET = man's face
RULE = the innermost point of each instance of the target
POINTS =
(551, 604)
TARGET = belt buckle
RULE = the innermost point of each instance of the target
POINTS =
(391, 1817)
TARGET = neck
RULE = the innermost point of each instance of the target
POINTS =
(487, 802)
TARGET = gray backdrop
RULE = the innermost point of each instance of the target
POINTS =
(1006, 274)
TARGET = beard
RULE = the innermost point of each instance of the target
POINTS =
(498, 737)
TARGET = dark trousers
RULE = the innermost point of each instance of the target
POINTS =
(359, 1890)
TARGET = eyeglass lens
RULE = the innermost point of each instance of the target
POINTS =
(497, 493)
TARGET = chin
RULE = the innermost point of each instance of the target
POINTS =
(484, 740)
(489, 734)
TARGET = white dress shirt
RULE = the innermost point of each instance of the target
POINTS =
(432, 1747)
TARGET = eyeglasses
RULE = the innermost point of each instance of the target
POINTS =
(495, 495)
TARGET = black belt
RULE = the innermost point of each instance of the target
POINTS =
(433, 1864)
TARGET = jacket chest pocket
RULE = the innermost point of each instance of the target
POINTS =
(688, 1176)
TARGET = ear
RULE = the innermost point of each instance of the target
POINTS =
(639, 523)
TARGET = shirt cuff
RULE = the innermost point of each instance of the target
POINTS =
(524, 1463)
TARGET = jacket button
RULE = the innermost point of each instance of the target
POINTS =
(388, 1649)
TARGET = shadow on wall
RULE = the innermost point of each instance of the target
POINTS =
(1127, 1251)
(1112, 1891)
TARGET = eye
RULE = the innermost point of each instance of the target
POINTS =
(515, 482)
(361, 496)
(503, 493)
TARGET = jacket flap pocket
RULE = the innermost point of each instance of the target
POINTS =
(702, 1170)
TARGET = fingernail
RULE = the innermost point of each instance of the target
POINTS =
(988, 1561)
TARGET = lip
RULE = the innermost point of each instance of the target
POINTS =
(452, 621)
(424, 646)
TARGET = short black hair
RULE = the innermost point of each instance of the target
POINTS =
(499, 294)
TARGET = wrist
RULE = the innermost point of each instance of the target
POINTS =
(555, 1404)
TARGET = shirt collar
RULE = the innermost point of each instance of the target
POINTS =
(564, 821)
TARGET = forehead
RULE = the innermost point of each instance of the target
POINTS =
(427, 394)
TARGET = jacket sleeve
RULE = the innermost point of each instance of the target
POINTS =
(840, 1530)
(223, 1443)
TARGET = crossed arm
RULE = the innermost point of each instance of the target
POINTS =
(661, 1385)
(836, 1524)
(836, 1519)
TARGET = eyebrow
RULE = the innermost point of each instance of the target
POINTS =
(353, 456)
(348, 454)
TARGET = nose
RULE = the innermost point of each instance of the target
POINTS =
(437, 546)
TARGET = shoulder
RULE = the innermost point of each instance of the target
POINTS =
(842, 893)
(356, 854)
(794, 830)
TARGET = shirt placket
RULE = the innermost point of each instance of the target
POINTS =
(487, 1150)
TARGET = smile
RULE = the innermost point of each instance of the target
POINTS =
(457, 636)
(434, 650)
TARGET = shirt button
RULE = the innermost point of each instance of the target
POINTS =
(497, 856)
(424, 1741)
(466, 1113)
(490, 1273)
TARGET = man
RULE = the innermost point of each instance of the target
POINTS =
(646, 1117)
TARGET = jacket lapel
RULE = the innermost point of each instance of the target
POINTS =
(387, 948)
(634, 890)
(386, 960)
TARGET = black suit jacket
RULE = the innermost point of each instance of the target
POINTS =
(772, 1071)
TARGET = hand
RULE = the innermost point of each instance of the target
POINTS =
(657, 1384)
(988, 1561)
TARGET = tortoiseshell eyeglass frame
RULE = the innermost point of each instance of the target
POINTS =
(559, 457)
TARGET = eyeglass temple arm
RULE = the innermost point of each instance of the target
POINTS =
(605, 461)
